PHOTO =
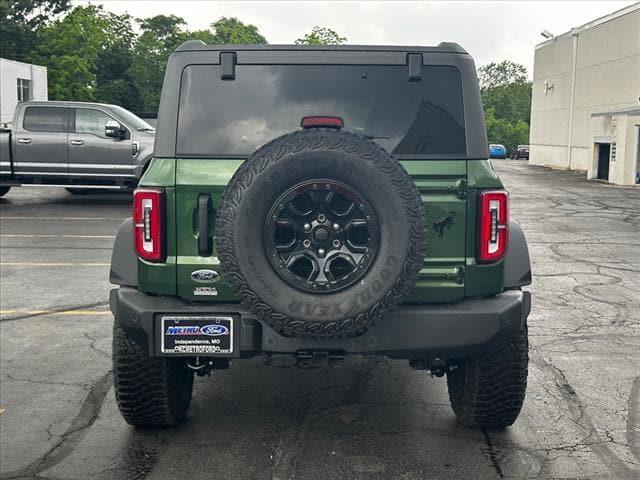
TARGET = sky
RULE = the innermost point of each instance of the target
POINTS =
(490, 31)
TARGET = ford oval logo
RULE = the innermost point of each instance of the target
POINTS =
(214, 330)
(205, 276)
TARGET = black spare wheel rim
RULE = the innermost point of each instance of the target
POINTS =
(320, 233)
(321, 236)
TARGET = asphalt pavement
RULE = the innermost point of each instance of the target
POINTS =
(372, 419)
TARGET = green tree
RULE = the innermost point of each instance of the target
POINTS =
(500, 74)
(161, 35)
(72, 47)
(233, 31)
(20, 21)
(114, 83)
(506, 98)
(508, 133)
(321, 36)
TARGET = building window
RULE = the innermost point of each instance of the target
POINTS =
(24, 90)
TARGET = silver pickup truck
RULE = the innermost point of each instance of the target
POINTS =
(74, 145)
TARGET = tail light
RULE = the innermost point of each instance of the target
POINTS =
(493, 218)
(322, 121)
(148, 220)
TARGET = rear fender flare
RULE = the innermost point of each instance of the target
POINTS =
(517, 265)
(124, 261)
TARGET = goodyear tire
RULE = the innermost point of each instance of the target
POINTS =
(489, 391)
(150, 391)
(350, 211)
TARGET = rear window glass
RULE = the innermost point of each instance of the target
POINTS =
(45, 119)
(235, 117)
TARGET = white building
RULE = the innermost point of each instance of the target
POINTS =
(20, 82)
(585, 107)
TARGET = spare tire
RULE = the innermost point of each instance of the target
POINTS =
(320, 233)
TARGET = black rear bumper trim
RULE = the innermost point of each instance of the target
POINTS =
(464, 329)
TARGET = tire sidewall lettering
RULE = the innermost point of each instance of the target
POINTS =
(315, 154)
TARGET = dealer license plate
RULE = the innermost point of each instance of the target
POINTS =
(197, 335)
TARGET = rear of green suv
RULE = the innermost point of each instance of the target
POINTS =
(309, 203)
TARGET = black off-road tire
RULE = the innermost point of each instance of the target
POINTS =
(150, 391)
(488, 392)
(338, 156)
(4, 191)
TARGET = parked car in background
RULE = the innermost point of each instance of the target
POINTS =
(75, 145)
(497, 151)
(521, 152)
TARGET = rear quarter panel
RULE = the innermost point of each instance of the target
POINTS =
(160, 278)
(448, 189)
(480, 280)
(439, 183)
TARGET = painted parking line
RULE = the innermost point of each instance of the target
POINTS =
(52, 264)
(6, 314)
(13, 235)
(63, 218)
(66, 312)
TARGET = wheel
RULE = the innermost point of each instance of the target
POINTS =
(150, 391)
(488, 391)
(4, 190)
(321, 232)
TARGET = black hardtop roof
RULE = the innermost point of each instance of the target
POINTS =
(443, 47)
(196, 52)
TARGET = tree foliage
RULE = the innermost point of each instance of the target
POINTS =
(161, 35)
(95, 55)
(321, 36)
(506, 98)
(20, 21)
(501, 74)
(74, 47)
(232, 31)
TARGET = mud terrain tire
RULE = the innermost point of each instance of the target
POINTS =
(488, 391)
(150, 391)
(349, 160)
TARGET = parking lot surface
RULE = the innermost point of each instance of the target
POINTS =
(372, 419)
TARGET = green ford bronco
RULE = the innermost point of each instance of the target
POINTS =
(306, 203)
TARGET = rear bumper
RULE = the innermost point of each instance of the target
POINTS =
(464, 329)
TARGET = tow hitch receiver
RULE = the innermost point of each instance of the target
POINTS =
(305, 360)
(436, 366)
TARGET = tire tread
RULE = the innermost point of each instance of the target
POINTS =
(489, 391)
(150, 391)
(272, 153)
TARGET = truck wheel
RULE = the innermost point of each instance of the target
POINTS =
(320, 233)
(4, 190)
(488, 391)
(150, 391)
